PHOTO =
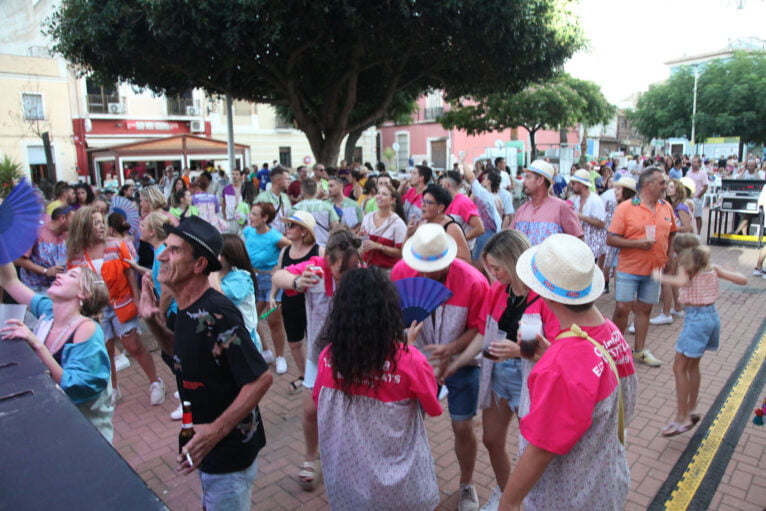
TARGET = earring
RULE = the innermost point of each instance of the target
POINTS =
(80, 303)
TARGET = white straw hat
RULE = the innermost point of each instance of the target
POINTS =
(581, 176)
(562, 269)
(304, 219)
(429, 249)
(689, 183)
(626, 182)
(543, 168)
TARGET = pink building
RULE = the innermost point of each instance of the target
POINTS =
(426, 139)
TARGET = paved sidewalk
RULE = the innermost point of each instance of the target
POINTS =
(147, 438)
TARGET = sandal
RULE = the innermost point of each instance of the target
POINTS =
(695, 418)
(674, 429)
(296, 386)
(311, 474)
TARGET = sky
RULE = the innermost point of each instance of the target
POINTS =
(630, 40)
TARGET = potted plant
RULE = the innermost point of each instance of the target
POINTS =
(10, 174)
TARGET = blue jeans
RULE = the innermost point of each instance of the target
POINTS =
(228, 492)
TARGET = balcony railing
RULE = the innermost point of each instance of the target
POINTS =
(99, 103)
(431, 113)
(181, 106)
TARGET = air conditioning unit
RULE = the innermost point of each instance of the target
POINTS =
(116, 108)
(192, 110)
(197, 126)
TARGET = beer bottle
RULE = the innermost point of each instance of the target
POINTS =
(187, 428)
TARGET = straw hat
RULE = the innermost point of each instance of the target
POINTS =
(543, 168)
(304, 219)
(689, 183)
(429, 249)
(562, 269)
(581, 176)
(626, 182)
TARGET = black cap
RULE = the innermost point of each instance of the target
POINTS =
(205, 238)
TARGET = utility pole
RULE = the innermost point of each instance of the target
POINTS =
(694, 110)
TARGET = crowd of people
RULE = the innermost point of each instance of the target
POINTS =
(223, 271)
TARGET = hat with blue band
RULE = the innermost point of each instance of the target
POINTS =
(430, 249)
(543, 168)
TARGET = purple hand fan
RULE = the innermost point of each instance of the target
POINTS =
(20, 215)
(420, 297)
(128, 209)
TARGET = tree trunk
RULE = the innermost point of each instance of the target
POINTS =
(328, 150)
(533, 146)
(351, 141)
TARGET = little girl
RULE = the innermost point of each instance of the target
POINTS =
(698, 283)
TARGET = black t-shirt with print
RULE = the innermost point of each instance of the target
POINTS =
(214, 358)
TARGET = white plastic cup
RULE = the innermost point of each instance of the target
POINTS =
(651, 232)
(530, 327)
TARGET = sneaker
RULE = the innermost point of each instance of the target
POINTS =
(494, 500)
(758, 272)
(645, 357)
(661, 319)
(121, 362)
(677, 314)
(176, 395)
(178, 413)
(469, 501)
(281, 364)
(157, 392)
(632, 328)
(268, 356)
(443, 392)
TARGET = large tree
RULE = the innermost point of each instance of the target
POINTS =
(560, 102)
(319, 58)
(731, 101)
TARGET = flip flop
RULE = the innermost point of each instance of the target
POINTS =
(674, 429)
(296, 386)
(310, 475)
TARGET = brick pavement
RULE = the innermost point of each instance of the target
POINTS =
(146, 437)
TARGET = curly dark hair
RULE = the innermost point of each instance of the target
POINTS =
(364, 329)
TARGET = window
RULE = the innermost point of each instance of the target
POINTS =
(434, 105)
(33, 107)
(358, 154)
(285, 157)
(99, 97)
(403, 153)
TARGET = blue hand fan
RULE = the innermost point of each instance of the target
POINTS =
(420, 297)
(20, 219)
(128, 209)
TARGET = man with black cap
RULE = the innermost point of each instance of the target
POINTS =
(217, 366)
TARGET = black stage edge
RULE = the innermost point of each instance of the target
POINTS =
(712, 478)
(51, 457)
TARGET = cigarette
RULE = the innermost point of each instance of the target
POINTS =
(188, 458)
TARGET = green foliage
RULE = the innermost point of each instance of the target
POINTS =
(320, 59)
(560, 102)
(10, 173)
(731, 101)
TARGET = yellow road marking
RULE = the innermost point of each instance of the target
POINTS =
(700, 463)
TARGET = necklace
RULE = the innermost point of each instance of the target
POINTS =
(56, 344)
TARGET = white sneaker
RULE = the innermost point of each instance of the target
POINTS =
(632, 328)
(443, 392)
(494, 500)
(468, 500)
(677, 314)
(121, 362)
(176, 395)
(268, 356)
(157, 392)
(661, 319)
(116, 395)
(281, 364)
(178, 413)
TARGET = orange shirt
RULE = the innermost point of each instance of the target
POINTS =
(630, 221)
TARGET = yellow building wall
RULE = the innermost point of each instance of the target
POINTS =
(47, 77)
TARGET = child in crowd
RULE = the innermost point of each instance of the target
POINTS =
(699, 290)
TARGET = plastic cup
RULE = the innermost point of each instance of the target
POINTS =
(501, 334)
(529, 328)
(11, 311)
(651, 232)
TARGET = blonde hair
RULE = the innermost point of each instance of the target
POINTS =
(685, 241)
(155, 220)
(96, 293)
(81, 235)
(154, 196)
(694, 260)
(680, 192)
(506, 248)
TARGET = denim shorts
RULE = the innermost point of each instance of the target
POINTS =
(628, 287)
(701, 331)
(463, 397)
(264, 287)
(230, 492)
(114, 328)
(506, 381)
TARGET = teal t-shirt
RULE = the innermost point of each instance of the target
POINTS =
(263, 248)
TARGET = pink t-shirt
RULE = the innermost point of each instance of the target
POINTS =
(565, 387)
(462, 209)
(413, 202)
(553, 216)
